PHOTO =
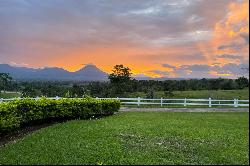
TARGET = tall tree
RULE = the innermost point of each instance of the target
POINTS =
(242, 82)
(120, 80)
(120, 74)
(5, 81)
(30, 91)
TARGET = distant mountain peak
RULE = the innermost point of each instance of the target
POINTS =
(52, 68)
(89, 66)
(91, 70)
(88, 73)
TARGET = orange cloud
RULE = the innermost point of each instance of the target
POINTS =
(216, 73)
(227, 34)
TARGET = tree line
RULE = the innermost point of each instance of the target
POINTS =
(120, 84)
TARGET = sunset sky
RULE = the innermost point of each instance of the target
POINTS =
(159, 38)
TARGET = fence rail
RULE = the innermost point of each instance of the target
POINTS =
(163, 101)
(183, 102)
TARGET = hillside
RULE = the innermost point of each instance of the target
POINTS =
(87, 73)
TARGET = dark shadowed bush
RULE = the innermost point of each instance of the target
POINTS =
(18, 112)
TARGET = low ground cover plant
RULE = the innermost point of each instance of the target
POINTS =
(25, 111)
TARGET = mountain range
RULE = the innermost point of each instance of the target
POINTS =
(88, 73)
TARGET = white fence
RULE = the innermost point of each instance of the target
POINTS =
(162, 101)
(183, 102)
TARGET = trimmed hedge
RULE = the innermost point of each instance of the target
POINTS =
(18, 112)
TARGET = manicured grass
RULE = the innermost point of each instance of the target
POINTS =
(7, 95)
(138, 138)
(219, 94)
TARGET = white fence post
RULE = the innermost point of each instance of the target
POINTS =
(57, 97)
(161, 101)
(210, 102)
(1, 100)
(235, 102)
(185, 102)
(138, 101)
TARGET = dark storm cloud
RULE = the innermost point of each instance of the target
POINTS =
(229, 56)
(168, 66)
(234, 46)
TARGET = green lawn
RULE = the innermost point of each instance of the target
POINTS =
(138, 138)
(219, 94)
(9, 95)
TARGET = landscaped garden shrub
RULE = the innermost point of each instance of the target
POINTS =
(15, 113)
(8, 117)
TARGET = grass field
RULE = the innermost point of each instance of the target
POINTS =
(138, 138)
(6, 95)
(220, 94)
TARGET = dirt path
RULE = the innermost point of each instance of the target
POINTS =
(126, 109)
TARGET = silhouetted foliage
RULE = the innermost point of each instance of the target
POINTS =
(120, 80)
(121, 84)
(120, 74)
(242, 82)
(5, 81)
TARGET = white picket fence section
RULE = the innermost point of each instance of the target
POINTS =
(163, 101)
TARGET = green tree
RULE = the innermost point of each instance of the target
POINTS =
(228, 84)
(120, 74)
(168, 91)
(77, 90)
(29, 91)
(120, 80)
(150, 93)
(5, 81)
(242, 82)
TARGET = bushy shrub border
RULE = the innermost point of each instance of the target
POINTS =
(18, 112)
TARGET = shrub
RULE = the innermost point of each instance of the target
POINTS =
(8, 117)
(18, 112)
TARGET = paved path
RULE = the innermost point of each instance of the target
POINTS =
(126, 109)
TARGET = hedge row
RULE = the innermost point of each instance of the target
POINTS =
(18, 112)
